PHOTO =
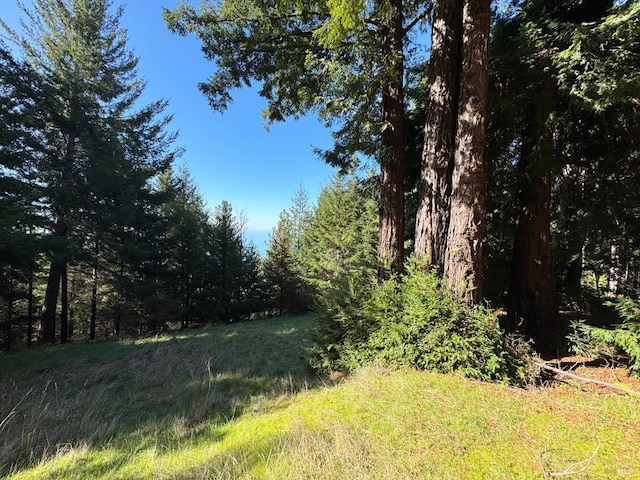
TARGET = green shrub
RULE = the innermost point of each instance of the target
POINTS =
(413, 321)
(623, 339)
(343, 327)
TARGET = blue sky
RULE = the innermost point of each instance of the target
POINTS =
(230, 155)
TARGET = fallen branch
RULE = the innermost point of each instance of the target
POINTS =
(575, 468)
(559, 371)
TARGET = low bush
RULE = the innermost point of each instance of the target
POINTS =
(414, 321)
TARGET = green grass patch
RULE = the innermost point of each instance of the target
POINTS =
(237, 401)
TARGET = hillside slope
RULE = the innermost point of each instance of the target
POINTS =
(237, 401)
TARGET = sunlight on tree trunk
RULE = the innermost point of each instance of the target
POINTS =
(463, 260)
(432, 220)
(391, 240)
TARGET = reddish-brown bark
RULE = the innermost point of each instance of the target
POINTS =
(532, 305)
(432, 220)
(463, 257)
(391, 239)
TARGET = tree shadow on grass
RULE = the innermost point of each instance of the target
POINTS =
(158, 391)
(224, 463)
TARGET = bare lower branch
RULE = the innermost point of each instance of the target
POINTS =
(424, 15)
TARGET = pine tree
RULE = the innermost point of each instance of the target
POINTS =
(21, 216)
(341, 236)
(299, 215)
(280, 267)
(284, 264)
(186, 246)
(226, 264)
(100, 149)
(340, 259)
(143, 277)
(252, 298)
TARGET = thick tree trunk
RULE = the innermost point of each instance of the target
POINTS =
(532, 304)
(48, 317)
(391, 239)
(463, 257)
(432, 219)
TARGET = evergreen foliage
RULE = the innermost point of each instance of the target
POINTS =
(97, 228)
(231, 266)
(341, 235)
(284, 266)
(185, 247)
(280, 267)
(317, 56)
(97, 149)
(624, 339)
(599, 66)
(299, 213)
(22, 217)
(344, 61)
(253, 293)
(414, 321)
(563, 167)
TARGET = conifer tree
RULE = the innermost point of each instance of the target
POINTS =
(451, 216)
(100, 148)
(284, 265)
(558, 75)
(299, 215)
(286, 287)
(341, 235)
(21, 215)
(226, 263)
(184, 252)
(253, 292)
(281, 268)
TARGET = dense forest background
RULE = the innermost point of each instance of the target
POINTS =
(508, 169)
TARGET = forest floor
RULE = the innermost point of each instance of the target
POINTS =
(238, 402)
(614, 374)
(610, 375)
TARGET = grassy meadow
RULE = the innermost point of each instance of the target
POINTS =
(238, 402)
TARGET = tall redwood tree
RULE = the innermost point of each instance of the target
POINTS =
(463, 260)
(450, 219)
(432, 219)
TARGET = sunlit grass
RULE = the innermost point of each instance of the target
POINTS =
(237, 402)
